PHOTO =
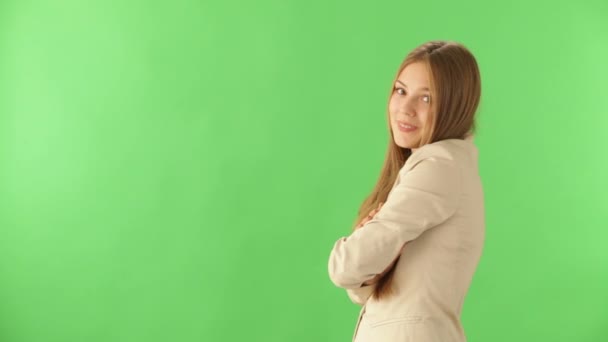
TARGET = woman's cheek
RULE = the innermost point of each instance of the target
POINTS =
(392, 107)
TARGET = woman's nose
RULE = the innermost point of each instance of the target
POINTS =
(408, 107)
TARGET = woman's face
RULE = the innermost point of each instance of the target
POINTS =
(409, 105)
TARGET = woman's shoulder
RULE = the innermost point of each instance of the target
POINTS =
(447, 150)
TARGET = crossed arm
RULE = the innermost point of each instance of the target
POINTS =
(426, 196)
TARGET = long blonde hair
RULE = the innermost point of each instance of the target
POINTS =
(455, 92)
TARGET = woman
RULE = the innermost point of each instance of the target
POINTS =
(419, 235)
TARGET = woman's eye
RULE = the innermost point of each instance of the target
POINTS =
(425, 98)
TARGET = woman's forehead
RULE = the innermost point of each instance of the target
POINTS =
(414, 76)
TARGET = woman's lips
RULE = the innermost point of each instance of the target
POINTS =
(403, 127)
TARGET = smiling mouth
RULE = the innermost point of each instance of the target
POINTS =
(406, 127)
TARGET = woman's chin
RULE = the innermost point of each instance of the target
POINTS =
(403, 143)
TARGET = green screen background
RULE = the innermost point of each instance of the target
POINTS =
(179, 171)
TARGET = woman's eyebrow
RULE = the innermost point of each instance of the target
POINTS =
(423, 88)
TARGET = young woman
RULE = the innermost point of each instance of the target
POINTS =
(419, 235)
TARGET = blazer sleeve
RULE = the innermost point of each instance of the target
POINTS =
(361, 294)
(427, 195)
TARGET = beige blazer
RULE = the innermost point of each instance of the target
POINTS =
(437, 205)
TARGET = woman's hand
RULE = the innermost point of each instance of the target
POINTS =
(370, 216)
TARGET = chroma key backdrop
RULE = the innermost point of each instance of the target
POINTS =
(179, 170)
